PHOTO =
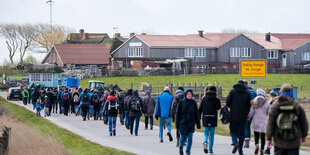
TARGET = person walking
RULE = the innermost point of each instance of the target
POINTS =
(287, 124)
(54, 103)
(111, 108)
(238, 100)
(84, 105)
(208, 108)
(59, 100)
(76, 101)
(162, 111)
(126, 110)
(50, 96)
(95, 103)
(179, 95)
(247, 130)
(121, 97)
(66, 99)
(135, 110)
(29, 98)
(47, 105)
(25, 96)
(187, 116)
(258, 112)
(38, 107)
(35, 96)
(149, 106)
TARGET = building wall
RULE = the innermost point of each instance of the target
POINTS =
(122, 52)
(52, 58)
(299, 52)
(53, 83)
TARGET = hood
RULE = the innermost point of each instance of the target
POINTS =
(240, 87)
(135, 93)
(210, 95)
(148, 92)
(258, 101)
(187, 91)
(284, 100)
(111, 97)
(179, 94)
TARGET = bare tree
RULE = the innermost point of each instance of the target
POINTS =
(45, 40)
(26, 36)
(9, 32)
(234, 30)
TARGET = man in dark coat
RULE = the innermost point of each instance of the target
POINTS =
(126, 110)
(135, 111)
(238, 100)
(149, 106)
(179, 95)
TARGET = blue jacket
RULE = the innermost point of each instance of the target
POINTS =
(88, 99)
(163, 104)
(252, 92)
(38, 105)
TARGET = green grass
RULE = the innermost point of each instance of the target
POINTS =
(226, 80)
(74, 144)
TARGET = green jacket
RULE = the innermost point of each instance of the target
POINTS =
(25, 93)
(271, 129)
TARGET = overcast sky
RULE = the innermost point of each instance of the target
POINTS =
(161, 16)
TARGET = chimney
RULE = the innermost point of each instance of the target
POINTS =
(132, 34)
(200, 32)
(143, 33)
(81, 32)
(85, 36)
(268, 36)
(117, 35)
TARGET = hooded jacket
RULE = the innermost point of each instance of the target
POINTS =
(259, 112)
(163, 104)
(131, 112)
(126, 99)
(179, 95)
(271, 130)
(107, 103)
(149, 104)
(84, 103)
(209, 107)
(187, 115)
(238, 100)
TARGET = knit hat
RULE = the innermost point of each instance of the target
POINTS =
(273, 93)
(45, 96)
(180, 88)
(212, 88)
(260, 92)
(241, 82)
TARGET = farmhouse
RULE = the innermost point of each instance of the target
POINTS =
(220, 50)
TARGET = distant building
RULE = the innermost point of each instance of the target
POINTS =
(85, 38)
(46, 75)
(220, 50)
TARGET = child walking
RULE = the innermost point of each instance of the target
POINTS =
(47, 105)
(38, 108)
(209, 107)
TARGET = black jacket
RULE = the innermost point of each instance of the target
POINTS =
(179, 95)
(238, 100)
(187, 116)
(131, 112)
(209, 107)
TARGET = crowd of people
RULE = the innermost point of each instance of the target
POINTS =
(273, 115)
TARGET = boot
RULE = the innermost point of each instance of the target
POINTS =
(247, 143)
(114, 133)
(261, 152)
(170, 137)
(256, 149)
(178, 141)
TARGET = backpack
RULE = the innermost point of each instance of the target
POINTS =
(112, 106)
(85, 97)
(287, 122)
(136, 105)
(65, 96)
(225, 115)
(96, 98)
(76, 98)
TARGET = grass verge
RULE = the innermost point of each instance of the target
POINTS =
(74, 144)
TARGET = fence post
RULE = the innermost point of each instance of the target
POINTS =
(131, 85)
(195, 86)
(199, 96)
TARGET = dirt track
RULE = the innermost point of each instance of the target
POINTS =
(27, 141)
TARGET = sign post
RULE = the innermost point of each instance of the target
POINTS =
(253, 69)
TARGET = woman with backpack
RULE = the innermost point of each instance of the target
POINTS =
(187, 115)
(111, 108)
(149, 107)
(259, 112)
(135, 108)
(76, 101)
(209, 107)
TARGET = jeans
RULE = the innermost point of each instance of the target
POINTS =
(163, 121)
(132, 120)
(38, 113)
(147, 121)
(55, 106)
(112, 123)
(96, 112)
(278, 151)
(209, 131)
(189, 137)
(262, 138)
(76, 109)
(237, 133)
(126, 117)
(29, 100)
(247, 130)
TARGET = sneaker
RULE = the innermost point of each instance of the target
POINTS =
(211, 152)
(246, 144)
(110, 134)
(261, 152)
(181, 152)
(170, 137)
(145, 128)
(205, 147)
(151, 127)
(256, 149)
(161, 141)
(267, 151)
(136, 134)
(114, 133)
(235, 148)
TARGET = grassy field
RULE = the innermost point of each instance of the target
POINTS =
(74, 144)
(226, 80)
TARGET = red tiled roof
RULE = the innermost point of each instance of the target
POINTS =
(83, 53)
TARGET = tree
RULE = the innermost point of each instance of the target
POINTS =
(31, 60)
(26, 35)
(44, 38)
(116, 44)
(9, 32)
(233, 30)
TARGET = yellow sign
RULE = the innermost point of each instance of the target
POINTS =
(253, 68)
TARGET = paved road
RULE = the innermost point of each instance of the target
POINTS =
(147, 143)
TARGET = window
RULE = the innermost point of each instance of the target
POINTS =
(189, 52)
(246, 52)
(272, 54)
(200, 52)
(192, 52)
(306, 56)
(35, 77)
(135, 52)
(234, 52)
(47, 77)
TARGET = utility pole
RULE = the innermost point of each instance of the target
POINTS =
(50, 2)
